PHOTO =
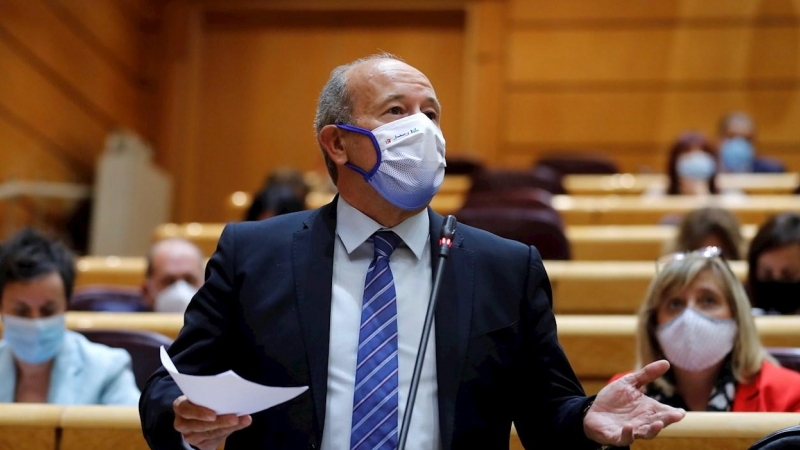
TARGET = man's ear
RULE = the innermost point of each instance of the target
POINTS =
(331, 139)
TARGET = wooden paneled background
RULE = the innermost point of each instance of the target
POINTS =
(226, 89)
(70, 71)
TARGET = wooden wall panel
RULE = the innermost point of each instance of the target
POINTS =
(635, 117)
(260, 78)
(24, 157)
(617, 10)
(627, 76)
(37, 99)
(660, 57)
(68, 73)
(109, 93)
(109, 28)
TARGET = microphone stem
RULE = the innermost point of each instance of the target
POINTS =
(423, 345)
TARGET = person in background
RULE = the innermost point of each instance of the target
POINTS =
(274, 200)
(284, 191)
(696, 315)
(736, 132)
(40, 360)
(774, 265)
(709, 227)
(692, 167)
(174, 274)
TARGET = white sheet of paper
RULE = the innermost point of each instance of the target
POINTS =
(228, 393)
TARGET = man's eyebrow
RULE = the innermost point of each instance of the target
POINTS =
(394, 97)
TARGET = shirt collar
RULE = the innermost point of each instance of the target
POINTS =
(354, 228)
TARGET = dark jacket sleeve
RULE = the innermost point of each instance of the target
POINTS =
(199, 347)
(548, 412)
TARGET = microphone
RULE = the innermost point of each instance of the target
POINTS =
(445, 242)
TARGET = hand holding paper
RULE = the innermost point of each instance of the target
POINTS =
(228, 393)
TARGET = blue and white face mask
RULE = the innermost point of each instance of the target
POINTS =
(696, 165)
(737, 155)
(34, 341)
(411, 160)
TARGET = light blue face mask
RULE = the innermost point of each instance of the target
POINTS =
(737, 155)
(34, 341)
(696, 165)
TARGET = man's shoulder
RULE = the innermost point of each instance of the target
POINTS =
(275, 227)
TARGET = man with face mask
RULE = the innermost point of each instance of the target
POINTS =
(335, 299)
(174, 274)
(737, 131)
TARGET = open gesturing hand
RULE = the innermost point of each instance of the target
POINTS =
(621, 413)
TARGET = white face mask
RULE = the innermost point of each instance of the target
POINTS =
(175, 298)
(411, 160)
(694, 342)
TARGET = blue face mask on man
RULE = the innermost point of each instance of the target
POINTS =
(737, 155)
(34, 341)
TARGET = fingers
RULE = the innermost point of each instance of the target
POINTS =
(198, 424)
(672, 415)
(648, 431)
(212, 439)
(650, 373)
(188, 410)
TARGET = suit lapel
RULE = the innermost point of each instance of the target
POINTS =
(452, 336)
(312, 256)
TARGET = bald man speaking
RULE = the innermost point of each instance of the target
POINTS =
(335, 299)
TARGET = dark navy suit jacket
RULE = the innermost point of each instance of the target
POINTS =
(264, 311)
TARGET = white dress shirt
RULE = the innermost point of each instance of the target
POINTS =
(411, 268)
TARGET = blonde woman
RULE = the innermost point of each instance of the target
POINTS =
(697, 316)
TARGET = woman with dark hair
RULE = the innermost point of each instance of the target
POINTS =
(774, 265)
(40, 360)
(692, 167)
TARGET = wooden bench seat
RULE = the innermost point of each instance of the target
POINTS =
(641, 210)
(168, 324)
(627, 242)
(29, 426)
(709, 431)
(579, 287)
(605, 287)
(636, 184)
(101, 427)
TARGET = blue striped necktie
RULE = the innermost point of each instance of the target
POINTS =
(375, 414)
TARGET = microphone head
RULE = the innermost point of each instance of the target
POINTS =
(449, 227)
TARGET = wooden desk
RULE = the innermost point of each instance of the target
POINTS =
(204, 235)
(579, 287)
(168, 324)
(636, 184)
(29, 426)
(101, 427)
(627, 242)
(640, 210)
(599, 347)
(110, 270)
(709, 431)
(605, 287)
